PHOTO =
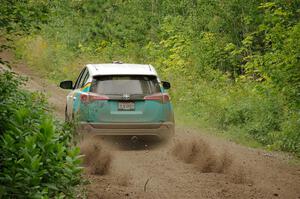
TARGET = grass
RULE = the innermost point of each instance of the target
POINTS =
(235, 134)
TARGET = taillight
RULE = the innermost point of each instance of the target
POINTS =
(84, 98)
(87, 98)
(162, 97)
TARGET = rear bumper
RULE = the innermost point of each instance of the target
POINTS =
(161, 130)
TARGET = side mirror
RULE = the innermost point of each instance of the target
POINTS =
(166, 85)
(68, 84)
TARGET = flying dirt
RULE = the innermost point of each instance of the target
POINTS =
(191, 165)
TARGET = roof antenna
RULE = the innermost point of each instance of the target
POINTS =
(117, 62)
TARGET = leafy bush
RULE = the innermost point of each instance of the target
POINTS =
(37, 159)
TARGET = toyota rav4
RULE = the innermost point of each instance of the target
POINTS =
(120, 99)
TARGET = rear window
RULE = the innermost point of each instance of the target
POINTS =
(114, 85)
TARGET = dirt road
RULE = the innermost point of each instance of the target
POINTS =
(192, 165)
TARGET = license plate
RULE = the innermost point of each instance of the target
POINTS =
(126, 106)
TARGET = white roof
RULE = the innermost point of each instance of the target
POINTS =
(121, 69)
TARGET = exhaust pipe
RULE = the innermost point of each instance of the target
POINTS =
(134, 139)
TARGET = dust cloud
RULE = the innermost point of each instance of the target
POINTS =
(96, 159)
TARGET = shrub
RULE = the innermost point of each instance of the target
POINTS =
(37, 159)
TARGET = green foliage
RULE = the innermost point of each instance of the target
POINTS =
(233, 65)
(272, 51)
(22, 16)
(37, 159)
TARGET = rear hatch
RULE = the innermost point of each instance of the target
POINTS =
(125, 99)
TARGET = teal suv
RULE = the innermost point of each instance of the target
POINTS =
(120, 99)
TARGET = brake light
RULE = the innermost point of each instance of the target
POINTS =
(162, 97)
(87, 98)
(84, 98)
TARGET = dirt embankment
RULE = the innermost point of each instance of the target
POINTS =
(192, 165)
